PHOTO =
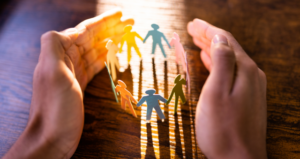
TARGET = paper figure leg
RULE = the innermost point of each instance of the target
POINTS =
(129, 53)
(176, 104)
(162, 49)
(159, 112)
(123, 103)
(131, 108)
(182, 97)
(113, 71)
(117, 64)
(137, 50)
(153, 47)
(149, 113)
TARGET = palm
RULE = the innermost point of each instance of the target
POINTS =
(68, 61)
(88, 51)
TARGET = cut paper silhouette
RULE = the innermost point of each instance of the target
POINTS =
(156, 36)
(188, 80)
(126, 97)
(179, 51)
(177, 90)
(152, 102)
(111, 58)
(112, 84)
(129, 37)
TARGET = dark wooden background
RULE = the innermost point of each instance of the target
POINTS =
(268, 30)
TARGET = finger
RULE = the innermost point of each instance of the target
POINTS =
(206, 60)
(95, 67)
(201, 29)
(53, 46)
(115, 30)
(222, 65)
(202, 45)
(89, 28)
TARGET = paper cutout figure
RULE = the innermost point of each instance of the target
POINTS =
(179, 51)
(111, 58)
(177, 90)
(188, 80)
(126, 97)
(152, 102)
(112, 84)
(156, 36)
(129, 37)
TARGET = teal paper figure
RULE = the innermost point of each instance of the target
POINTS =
(112, 84)
(152, 102)
(177, 90)
(156, 36)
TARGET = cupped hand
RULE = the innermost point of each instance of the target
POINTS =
(231, 112)
(67, 62)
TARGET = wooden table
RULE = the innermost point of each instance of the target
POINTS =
(269, 31)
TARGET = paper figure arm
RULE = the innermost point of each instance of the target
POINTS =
(147, 36)
(170, 97)
(166, 40)
(132, 99)
(122, 43)
(141, 101)
(172, 41)
(162, 99)
(183, 81)
(137, 35)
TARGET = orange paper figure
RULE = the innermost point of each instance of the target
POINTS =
(129, 37)
(112, 60)
(179, 51)
(126, 97)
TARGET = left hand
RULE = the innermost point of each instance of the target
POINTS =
(67, 62)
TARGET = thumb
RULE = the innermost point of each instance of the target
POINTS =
(223, 64)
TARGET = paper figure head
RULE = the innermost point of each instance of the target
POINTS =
(122, 84)
(177, 79)
(108, 44)
(127, 28)
(150, 91)
(155, 26)
(176, 36)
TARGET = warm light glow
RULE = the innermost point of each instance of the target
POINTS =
(152, 74)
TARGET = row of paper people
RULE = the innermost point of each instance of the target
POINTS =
(151, 99)
(129, 38)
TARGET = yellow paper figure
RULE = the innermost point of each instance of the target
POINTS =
(111, 58)
(129, 37)
(126, 97)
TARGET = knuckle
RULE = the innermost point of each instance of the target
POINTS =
(251, 68)
(262, 75)
(223, 51)
(50, 35)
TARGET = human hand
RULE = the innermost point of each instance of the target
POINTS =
(231, 112)
(67, 62)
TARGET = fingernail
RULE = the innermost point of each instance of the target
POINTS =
(220, 39)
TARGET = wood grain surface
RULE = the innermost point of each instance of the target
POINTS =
(268, 30)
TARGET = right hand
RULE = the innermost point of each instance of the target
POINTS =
(231, 112)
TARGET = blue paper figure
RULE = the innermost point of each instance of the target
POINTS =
(152, 102)
(156, 36)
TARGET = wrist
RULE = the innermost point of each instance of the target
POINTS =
(35, 143)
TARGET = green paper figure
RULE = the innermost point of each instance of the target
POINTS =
(129, 37)
(177, 90)
(112, 84)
